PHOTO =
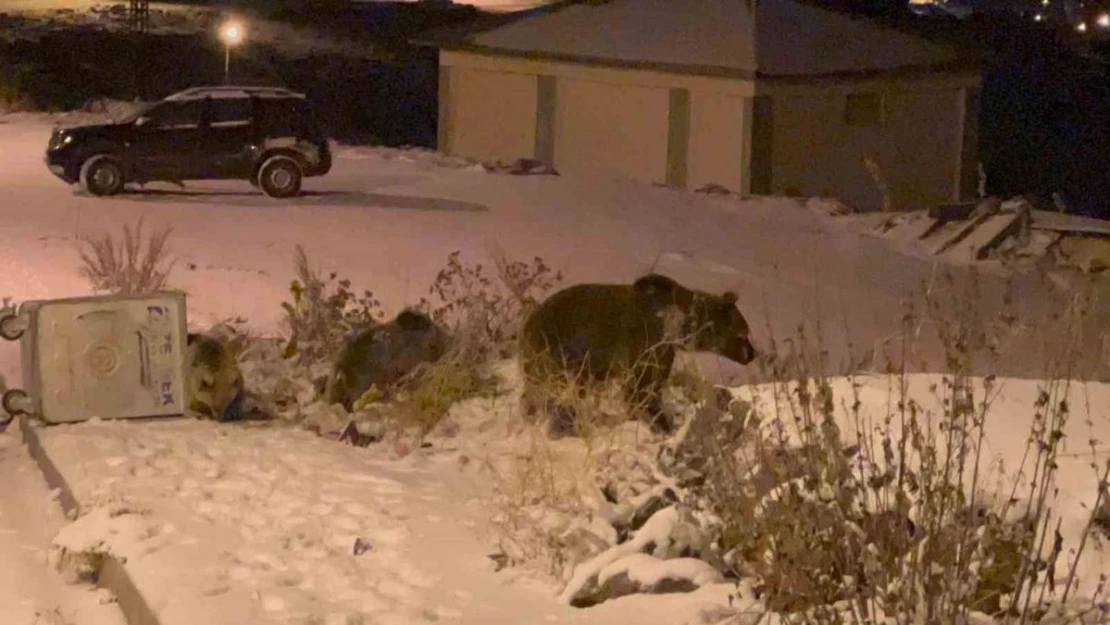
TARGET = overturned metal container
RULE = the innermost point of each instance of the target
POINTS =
(111, 356)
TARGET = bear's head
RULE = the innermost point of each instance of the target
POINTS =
(705, 322)
(422, 334)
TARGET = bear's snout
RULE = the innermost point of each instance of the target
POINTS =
(741, 350)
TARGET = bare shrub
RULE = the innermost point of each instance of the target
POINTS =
(129, 266)
(324, 313)
(546, 498)
(482, 315)
(425, 396)
(893, 518)
(533, 504)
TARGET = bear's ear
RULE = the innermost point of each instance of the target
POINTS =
(413, 321)
(730, 297)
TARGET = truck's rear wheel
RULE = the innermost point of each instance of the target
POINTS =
(280, 177)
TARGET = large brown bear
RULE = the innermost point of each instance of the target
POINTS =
(591, 333)
(382, 355)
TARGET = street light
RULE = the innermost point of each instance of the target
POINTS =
(1103, 20)
(231, 33)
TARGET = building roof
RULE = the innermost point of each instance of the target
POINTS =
(232, 91)
(787, 38)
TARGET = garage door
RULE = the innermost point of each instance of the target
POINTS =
(602, 129)
(493, 114)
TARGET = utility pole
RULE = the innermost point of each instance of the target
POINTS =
(139, 16)
(138, 22)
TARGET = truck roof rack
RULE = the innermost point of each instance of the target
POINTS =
(231, 91)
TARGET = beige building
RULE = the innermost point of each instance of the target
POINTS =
(787, 98)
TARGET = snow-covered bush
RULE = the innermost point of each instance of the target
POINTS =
(894, 517)
(481, 314)
(558, 502)
(822, 510)
(129, 265)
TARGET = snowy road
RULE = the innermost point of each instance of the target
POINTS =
(388, 222)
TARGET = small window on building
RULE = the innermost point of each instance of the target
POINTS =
(863, 110)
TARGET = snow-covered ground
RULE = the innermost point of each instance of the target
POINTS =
(279, 526)
(30, 592)
(259, 525)
(266, 522)
(387, 221)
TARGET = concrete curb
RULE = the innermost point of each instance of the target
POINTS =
(112, 575)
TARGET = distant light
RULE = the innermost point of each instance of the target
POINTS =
(1038, 18)
(1103, 20)
(1044, 2)
(1082, 27)
(232, 33)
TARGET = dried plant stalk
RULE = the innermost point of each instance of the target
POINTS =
(130, 266)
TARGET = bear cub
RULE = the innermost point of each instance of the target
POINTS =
(383, 355)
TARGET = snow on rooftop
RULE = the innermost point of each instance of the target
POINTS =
(792, 38)
(229, 91)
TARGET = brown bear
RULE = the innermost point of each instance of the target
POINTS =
(382, 355)
(590, 333)
(215, 382)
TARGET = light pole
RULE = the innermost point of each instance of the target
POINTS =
(231, 33)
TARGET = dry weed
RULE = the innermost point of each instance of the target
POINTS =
(892, 519)
(482, 317)
(324, 313)
(128, 267)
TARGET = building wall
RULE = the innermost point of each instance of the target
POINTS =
(916, 142)
(694, 130)
(603, 122)
(490, 115)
